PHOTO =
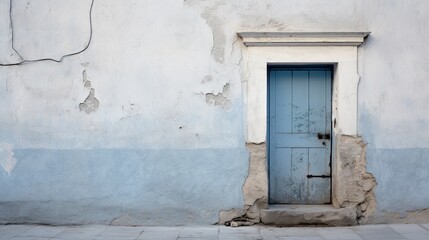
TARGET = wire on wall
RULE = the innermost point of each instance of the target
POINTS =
(25, 61)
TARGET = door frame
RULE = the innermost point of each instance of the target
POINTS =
(297, 66)
(263, 49)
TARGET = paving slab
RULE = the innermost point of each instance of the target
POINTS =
(408, 228)
(377, 232)
(296, 232)
(239, 230)
(81, 232)
(42, 232)
(9, 231)
(199, 232)
(94, 232)
(301, 238)
(240, 236)
(415, 236)
(338, 234)
(29, 238)
(159, 235)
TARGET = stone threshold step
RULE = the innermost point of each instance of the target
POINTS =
(294, 215)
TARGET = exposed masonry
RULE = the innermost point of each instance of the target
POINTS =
(353, 186)
(353, 189)
(91, 103)
(7, 159)
(221, 99)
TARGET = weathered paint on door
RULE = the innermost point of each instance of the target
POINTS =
(299, 120)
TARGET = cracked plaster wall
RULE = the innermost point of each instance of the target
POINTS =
(153, 66)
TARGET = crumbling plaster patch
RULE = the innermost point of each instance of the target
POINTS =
(352, 185)
(91, 103)
(7, 159)
(220, 99)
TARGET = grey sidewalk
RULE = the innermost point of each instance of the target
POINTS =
(99, 232)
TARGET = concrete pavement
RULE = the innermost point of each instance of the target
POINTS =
(101, 232)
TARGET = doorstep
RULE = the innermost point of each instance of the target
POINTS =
(293, 215)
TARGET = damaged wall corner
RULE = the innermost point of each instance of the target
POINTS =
(353, 186)
(255, 190)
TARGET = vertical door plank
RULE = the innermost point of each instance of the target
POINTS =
(300, 101)
(272, 163)
(280, 177)
(318, 191)
(319, 188)
(328, 100)
(283, 93)
(317, 114)
(299, 189)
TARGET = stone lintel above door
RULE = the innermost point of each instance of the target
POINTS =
(259, 39)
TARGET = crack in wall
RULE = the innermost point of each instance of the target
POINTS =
(24, 61)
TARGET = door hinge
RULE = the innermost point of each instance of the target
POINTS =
(318, 176)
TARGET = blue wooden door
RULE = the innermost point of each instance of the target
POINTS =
(299, 120)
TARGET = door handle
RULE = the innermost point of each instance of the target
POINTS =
(324, 136)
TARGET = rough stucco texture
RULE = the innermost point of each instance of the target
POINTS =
(353, 186)
(166, 140)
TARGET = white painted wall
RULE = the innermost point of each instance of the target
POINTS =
(152, 63)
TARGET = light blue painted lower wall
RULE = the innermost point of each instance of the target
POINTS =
(168, 187)
(402, 178)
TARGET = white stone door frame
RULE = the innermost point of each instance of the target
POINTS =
(338, 49)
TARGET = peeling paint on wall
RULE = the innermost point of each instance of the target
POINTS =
(219, 39)
(221, 99)
(7, 160)
(216, 26)
(91, 103)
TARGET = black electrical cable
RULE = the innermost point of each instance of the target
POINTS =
(24, 61)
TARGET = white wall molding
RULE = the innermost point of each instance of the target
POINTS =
(251, 39)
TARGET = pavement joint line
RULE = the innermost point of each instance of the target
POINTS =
(423, 226)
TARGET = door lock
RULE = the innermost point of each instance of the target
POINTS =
(324, 136)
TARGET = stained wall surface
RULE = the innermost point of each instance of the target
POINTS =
(146, 126)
